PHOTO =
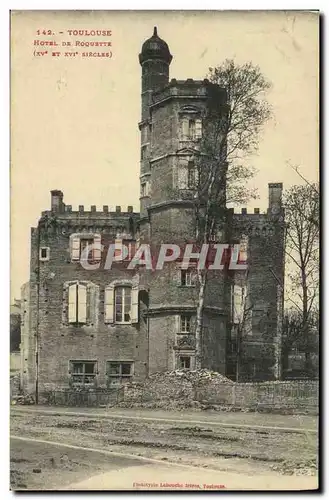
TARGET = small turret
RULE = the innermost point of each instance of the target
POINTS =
(155, 59)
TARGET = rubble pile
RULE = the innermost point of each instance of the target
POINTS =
(22, 399)
(193, 376)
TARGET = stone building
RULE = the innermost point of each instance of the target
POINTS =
(101, 327)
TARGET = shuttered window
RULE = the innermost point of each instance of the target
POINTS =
(87, 247)
(190, 129)
(77, 303)
(75, 248)
(198, 128)
(184, 129)
(121, 304)
(109, 305)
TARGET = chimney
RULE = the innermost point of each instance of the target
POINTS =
(275, 197)
(57, 204)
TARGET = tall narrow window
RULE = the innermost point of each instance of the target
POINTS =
(77, 307)
(192, 175)
(185, 324)
(145, 188)
(86, 248)
(238, 303)
(243, 253)
(198, 129)
(122, 304)
(186, 277)
(191, 129)
(44, 253)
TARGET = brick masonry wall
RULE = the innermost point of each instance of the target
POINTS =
(59, 343)
(266, 273)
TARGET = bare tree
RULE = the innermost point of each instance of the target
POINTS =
(293, 340)
(231, 133)
(242, 318)
(302, 250)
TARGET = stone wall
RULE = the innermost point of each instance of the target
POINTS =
(181, 391)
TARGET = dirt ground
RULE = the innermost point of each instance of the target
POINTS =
(230, 449)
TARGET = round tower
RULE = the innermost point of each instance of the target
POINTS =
(155, 59)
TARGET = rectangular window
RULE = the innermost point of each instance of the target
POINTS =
(186, 277)
(119, 371)
(192, 175)
(185, 324)
(184, 362)
(238, 304)
(77, 310)
(83, 372)
(243, 252)
(198, 128)
(44, 253)
(145, 188)
(191, 129)
(257, 321)
(86, 248)
(143, 152)
(122, 300)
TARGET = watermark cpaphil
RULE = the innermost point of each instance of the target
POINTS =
(212, 256)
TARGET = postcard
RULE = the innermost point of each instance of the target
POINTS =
(164, 321)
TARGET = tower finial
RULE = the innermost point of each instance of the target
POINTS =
(155, 32)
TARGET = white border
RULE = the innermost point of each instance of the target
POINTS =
(4, 174)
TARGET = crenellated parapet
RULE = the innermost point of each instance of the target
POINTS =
(61, 219)
(188, 88)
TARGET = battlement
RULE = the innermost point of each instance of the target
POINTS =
(67, 212)
(244, 211)
(188, 88)
(242, 215)
(62, 210)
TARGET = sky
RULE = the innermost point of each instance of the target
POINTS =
(74, 120)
